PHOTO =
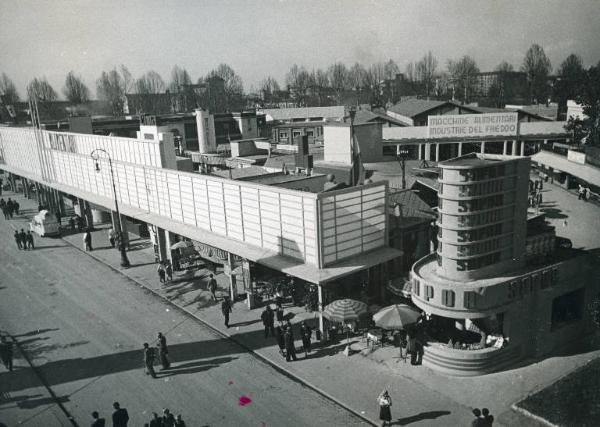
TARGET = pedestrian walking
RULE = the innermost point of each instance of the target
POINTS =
(17, 237)
(10, 206)
(3, 207)
(16, 207)
(279, 312)
(169, 270)
(29, 240)
(306, 335)
(5, 212)
(161, 272)
(488, 419)
(168, 420)
(98, 422)
(280, 340)
(226, 309)
(179, 421)
(120, 417)
(23, 237)
(539, 199)
(163, 351)
(290, 347)
(580, 192)
(478, 421)
(212, 287)
(87, 241)
(268, 320)
(156, 421)
(385, 402)
(6, 353)
(111, 237)
(149, 357)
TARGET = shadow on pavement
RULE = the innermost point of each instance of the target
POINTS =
(16, 399)
(36, 332)
(31, 404)
(431, 415)
(194, 367)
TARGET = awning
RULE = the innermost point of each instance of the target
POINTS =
(586, 173)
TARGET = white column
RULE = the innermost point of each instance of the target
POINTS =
(504, 147)
(460, 149)
(482, 147)
(168, 244)
(427, 151)
(397, 149)
(514, 148)
(321, 325)
(522, 148)
(437, 152)
(420, 151)
(232, 281)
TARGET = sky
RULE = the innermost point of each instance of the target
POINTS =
(266, 37)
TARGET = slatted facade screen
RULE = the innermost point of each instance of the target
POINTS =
(282, 220)
(352, 222)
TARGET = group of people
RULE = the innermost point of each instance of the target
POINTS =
(166, 420)
(165, 271)
(6, 353)
(483, 418)
(120, 417)
(9, 208)
(24, 240)
(284, 332)
(150, 356)
(583, 193)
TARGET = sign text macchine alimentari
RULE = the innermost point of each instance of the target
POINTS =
(473, 125)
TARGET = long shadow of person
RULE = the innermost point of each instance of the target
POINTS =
(431, 415)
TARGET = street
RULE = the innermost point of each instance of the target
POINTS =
(83, 326)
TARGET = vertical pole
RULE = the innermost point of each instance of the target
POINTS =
(460, 144)
(321, 325)
(522, 148)
(514, 147)
(437, 152)
(482, 147)
(504, 147)
(232, 283)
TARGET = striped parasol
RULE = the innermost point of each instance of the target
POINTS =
(344, 310)
(396, 316)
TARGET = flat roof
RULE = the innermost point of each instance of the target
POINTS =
(585, 172)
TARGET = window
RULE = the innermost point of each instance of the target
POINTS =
(415, 287)
(567, 308)
(470, 299)
(428, 292)
(448, 298)
(310, 133)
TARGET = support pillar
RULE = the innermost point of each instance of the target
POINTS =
(25, 188)
(522, 148)
(420, 152)
(482, 147)
(428, 152)
(168, 243)
(321, 325)
(161, 242)
(504, 147)
(437, 152)
(232, 280)
(460, 144)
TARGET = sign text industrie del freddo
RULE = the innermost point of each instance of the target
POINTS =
(473, 125)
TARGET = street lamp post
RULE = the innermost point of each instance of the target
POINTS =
(95, 156)
(355, 178)
(401, 156)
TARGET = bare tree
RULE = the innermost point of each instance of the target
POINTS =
(8, 90)
(390, 69)
(356, 76)
(338, 79)
(425, 70)
(41, 90)
(75, 90)
(179, 77)
(233, 86)
(410, 72)
(374, 80)
(268, 86)
(150, 83)
(462, 72)
(112, 86)
(537, 66)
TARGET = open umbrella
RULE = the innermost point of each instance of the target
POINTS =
(396, 316)
(182, 244)
(345, 310)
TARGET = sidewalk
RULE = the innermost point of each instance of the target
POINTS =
(420, 396)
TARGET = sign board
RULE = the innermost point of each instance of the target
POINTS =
(473, 125)
(576, 157)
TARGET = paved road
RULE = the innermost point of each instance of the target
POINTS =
(83, 325)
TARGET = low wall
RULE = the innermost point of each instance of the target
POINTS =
(467, 363)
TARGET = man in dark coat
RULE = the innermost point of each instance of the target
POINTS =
(305, 334)
(149, 360)
(212, 287)
(226, 309)
(280, 340)
(29, 240)
(268, 319)
(163, 351)
(290, 348)
(17, 236)
(16, 207)
(156, 421)
(120, 417)
(98, 422)
(23, 237)
(10, 206)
